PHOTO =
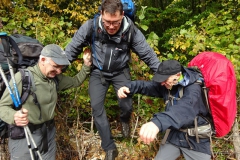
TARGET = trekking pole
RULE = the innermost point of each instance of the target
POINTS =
(8, 87)
(14, 83)
(34, 144)
(28, 143)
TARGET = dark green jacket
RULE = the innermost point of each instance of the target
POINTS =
(46, 94)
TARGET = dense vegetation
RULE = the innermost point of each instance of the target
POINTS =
(176, 29)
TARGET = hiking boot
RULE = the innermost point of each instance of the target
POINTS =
(125, 129)
(111, 154)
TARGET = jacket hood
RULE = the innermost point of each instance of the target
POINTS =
(192, 75)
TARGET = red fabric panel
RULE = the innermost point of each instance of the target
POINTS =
(220, 79)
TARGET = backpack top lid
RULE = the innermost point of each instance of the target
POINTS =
(219, 78)
(129, 8)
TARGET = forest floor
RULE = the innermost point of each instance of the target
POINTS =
(85, 144)
(81, 141)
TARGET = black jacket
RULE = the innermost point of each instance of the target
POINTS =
(112, 53)
(179, 115)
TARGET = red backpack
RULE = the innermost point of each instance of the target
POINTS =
(220, 80)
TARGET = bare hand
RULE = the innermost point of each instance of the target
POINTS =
(123, 91)
(21, 117)
(148, 132)
(87, 57)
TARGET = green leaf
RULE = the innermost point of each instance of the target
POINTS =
(141, 17)
(170, 56)
(4, 19)
(237, 40)
(61, 23)
(61, 34)
(229, 21)
(183, 31)
(144, 27)
(46, 28)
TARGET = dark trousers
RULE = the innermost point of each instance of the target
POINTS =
(97, 93)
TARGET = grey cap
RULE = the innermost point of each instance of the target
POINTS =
(56, 53)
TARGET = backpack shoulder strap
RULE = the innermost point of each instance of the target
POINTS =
(16, 48)
(171, 100)
(131, 32)
(95, 36)
(176, 97)
(204, 94)
(95, 32)
(28, 87)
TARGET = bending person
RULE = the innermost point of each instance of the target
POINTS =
(184, 104)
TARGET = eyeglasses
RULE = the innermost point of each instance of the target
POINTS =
(115, 24)
(56, 67)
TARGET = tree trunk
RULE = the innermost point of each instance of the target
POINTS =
(236, 139)
(203, 5)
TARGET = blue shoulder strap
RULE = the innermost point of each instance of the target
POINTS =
(93, 38)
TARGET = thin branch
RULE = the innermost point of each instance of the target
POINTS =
(38, 17)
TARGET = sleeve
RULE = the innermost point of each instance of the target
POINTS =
(182, 113)
(149, 88)
(66, 82)
(6, 107)
(81, 38)
(144, 51)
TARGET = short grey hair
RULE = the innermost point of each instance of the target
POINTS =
(41, 56)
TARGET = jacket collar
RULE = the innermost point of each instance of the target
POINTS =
(37, 71)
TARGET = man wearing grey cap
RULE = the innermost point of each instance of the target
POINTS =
(40, 119)
(184, 106)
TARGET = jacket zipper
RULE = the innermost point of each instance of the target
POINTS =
(110, 59)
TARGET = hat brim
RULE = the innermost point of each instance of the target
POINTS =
(160, 78)
(61, 61)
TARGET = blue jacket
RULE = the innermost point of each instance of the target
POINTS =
(179, 115)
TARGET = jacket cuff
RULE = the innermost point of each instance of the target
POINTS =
(157, 123)
(87, 68)
(10, 118)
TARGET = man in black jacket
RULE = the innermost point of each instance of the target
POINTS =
(184, 104)
(111, 36)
